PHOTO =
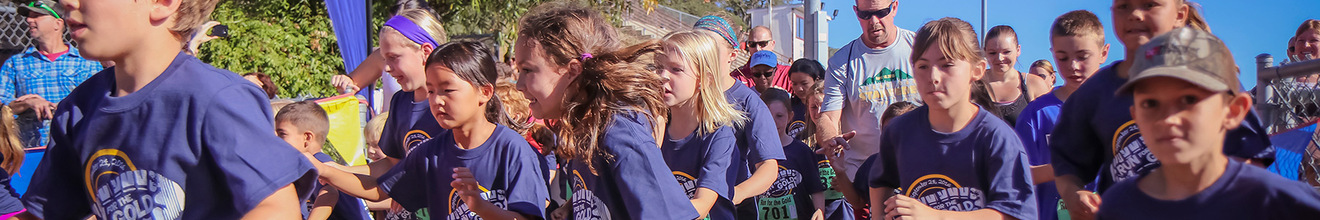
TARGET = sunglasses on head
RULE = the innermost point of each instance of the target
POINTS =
(866, 15)
(42, 5)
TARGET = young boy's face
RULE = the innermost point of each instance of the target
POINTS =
(1137, 21)
(944, 82)
(779, 111)
(404, 60)
(106, 29)
(454, 101)
(1181, 122)
(1078, 57)
(296, 137)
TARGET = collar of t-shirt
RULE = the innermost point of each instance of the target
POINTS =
(53, 56)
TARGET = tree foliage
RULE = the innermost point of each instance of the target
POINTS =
(290, 40)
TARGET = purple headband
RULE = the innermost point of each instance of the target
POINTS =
(411, 30)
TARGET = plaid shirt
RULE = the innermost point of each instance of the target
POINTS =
(31, 72)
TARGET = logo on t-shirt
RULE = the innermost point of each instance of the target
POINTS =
(414, 137)
(889, 84)
(795, 127)
(459, 209)
(585, 203)
(784, 185)
(1131, 157)
(688, 182)
(121, 191)
(827, 180)
(397, 212)
(943, 193)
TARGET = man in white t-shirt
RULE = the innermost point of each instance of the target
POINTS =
(864, 77)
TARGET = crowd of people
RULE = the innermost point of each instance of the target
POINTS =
(929, 124)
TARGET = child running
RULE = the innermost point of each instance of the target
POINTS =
(478, 168)
(950, 158)
(1078, 42)
(1187, 98)
(858, 193)
(305, 125)
(1097, 139)
(161, 135)
(699, 140)
(604, 104)
(797, 193)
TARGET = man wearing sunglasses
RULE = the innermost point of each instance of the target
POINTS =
(33, 81)
(765, 72)
(862, 79)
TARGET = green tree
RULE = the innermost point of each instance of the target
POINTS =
(290, 40)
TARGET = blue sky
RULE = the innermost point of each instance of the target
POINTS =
(1248, 28)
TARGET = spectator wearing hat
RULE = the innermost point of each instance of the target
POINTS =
(33, 81)
(761, 46)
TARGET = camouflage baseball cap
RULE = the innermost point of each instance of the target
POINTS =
(1188, 54)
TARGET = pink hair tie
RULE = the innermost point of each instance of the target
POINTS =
(586, 56)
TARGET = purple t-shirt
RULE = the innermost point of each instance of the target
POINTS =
(790, 195)
(1033, 127)
(1243, 192)
(9, 202)
(195, 143)
(981, 166)
(633, 183)
(506, 167)
(409, 124)
(758, 138)
(1098, 137)
(703, 161)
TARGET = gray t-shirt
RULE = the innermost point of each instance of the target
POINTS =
(862, 82)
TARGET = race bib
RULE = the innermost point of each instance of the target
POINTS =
(772, 208)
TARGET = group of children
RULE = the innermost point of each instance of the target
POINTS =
(659, 130)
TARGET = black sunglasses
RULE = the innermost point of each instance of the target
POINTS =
(751, 44)
(866, 15)
(766, 74)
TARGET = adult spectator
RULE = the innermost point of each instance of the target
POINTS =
(759, 39)
(766, 68)
(1040, 77)
(863, 78)
(33, 81)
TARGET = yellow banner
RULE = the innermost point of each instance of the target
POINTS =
(344, 143)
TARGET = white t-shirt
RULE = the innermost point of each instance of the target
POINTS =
(862, 82)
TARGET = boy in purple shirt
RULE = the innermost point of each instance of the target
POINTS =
(305, 126)
(1186, 98)
(161, 131)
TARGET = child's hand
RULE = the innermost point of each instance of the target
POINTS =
(466, 185)
(1084, 206)
(344, 84)
(562, 213)
(903, 207)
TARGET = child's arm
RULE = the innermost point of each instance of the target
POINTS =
(283, 204)
(1042, 173)
(356, 185)
(364, 75)
(880, 194)
(1082, 204)
(818, 202)
(904, 206)
(324, 204)
(759, 182)
(704, 201)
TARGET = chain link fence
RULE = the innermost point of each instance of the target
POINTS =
(13, 30)
(1288, 100)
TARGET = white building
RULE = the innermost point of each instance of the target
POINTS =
(787, 25)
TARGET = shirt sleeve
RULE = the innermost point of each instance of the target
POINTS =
(527, 187)
(252, 161)
(1074, 148)
(835, 91)
(1250, 141)
(8, 82)
(884, 171)
(390, 139)
(762, 135)
(1011, 191)
(1027, 131)
(714, 174)
(58, 179)
(811, 182)
(647, 188)
(404, 187)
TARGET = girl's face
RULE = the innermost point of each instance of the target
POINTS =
(1179, 120)
(108, 29)
(679, 77)
(1308, 43)
(1137, 21)
(1044, 75)
(454, 101)
(801, 83)
(541, 81)
(813, 106)
(1078, 57)
(945, 83)
(781, 114)
(1002, 52)
(404, 60)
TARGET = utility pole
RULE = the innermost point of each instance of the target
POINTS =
(983, 13)
(816, 32)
